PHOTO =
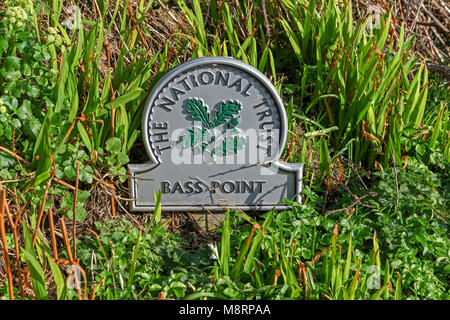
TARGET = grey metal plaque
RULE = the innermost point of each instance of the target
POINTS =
(214, 129)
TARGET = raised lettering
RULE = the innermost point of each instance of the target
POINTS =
(177, 187)
(263, 103)
(159, 125)
(164, 105)
(245, 91)
(176, 92)
(160, 136)
(188, 187)
(194, 82)
(237, 84)
(247, 186)
(214, 186)
(159, 149)
(184, 83)
(259, 185)
(165, 187)
(222, 79)
(210, 77)
(198, 187)
(264, 114)
(227, 183)
(268, 123)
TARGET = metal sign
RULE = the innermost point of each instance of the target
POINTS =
(214, 129)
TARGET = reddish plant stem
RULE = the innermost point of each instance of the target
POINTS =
(19, 158)
(5, 244)
(66, 239)
(61, 182)
(41, 212)
(19, 215)
(52, 233)
(16, 247)
(75, 212)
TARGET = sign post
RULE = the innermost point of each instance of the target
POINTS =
(214, 129)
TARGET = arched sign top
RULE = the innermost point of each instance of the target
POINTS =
(210, 82)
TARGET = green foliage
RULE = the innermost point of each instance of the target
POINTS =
(208, 138)
(413, 234)
(298, 253)
(112, 112)
(57, 110)
(275, 267)
(55, 106)
(352, 90)
(27, 81)
(31, 119)
(115, 158)
(199, 112)
(66, 207)
(363, 90)
(39, 261)
(228, 110)
(228, 33)
(140, 265)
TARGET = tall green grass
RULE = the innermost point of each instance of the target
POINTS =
(99, 106)
(84, 115)
(364, 81)
(269, 260)
(222, 36)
